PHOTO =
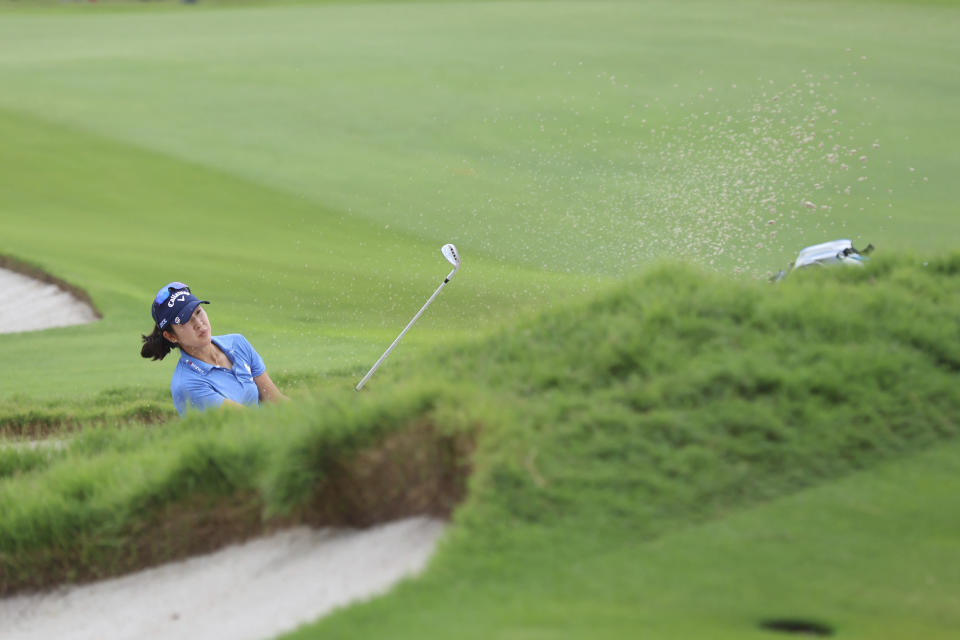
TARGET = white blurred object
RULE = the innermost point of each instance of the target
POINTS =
(827, 253)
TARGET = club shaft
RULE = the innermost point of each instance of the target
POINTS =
(403, 333)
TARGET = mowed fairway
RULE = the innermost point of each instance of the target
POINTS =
(300, 165)
(866, 557)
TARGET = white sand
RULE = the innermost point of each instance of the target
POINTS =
(255, 590)
(30, 305)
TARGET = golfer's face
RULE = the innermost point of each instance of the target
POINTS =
(196, 330)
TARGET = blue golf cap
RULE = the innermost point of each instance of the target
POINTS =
(174, 304)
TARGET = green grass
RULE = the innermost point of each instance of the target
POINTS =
(871, 556)
(670, 401)
(660, 450)
(616, 510)
(28, 418)
(314, 290)
(314, 157)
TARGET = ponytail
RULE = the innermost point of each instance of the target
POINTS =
(155, 345)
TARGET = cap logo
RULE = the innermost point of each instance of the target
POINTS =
(182, 293)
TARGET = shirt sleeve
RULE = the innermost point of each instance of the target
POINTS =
(195, 395)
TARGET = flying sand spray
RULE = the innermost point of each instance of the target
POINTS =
(450, 253)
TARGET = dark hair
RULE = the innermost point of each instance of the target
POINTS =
(155, 345)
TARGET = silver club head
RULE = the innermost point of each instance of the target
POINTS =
(450, 253)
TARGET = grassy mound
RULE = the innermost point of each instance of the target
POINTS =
(114, 498)
(664, 401)
(24, 417)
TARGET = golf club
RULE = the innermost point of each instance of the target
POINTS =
(450, 253)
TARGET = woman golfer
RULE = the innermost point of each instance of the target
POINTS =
(213, 371)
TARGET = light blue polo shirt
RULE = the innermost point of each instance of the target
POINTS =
(199, 385)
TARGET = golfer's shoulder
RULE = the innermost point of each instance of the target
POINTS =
(238, 343)
(232, 340)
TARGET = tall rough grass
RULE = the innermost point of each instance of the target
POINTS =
(681, 394)
(672, 397)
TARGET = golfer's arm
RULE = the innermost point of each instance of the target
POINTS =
(227, 402)
(268, 390)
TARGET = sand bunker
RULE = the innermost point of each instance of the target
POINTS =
(29, 304)
(250, 591)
